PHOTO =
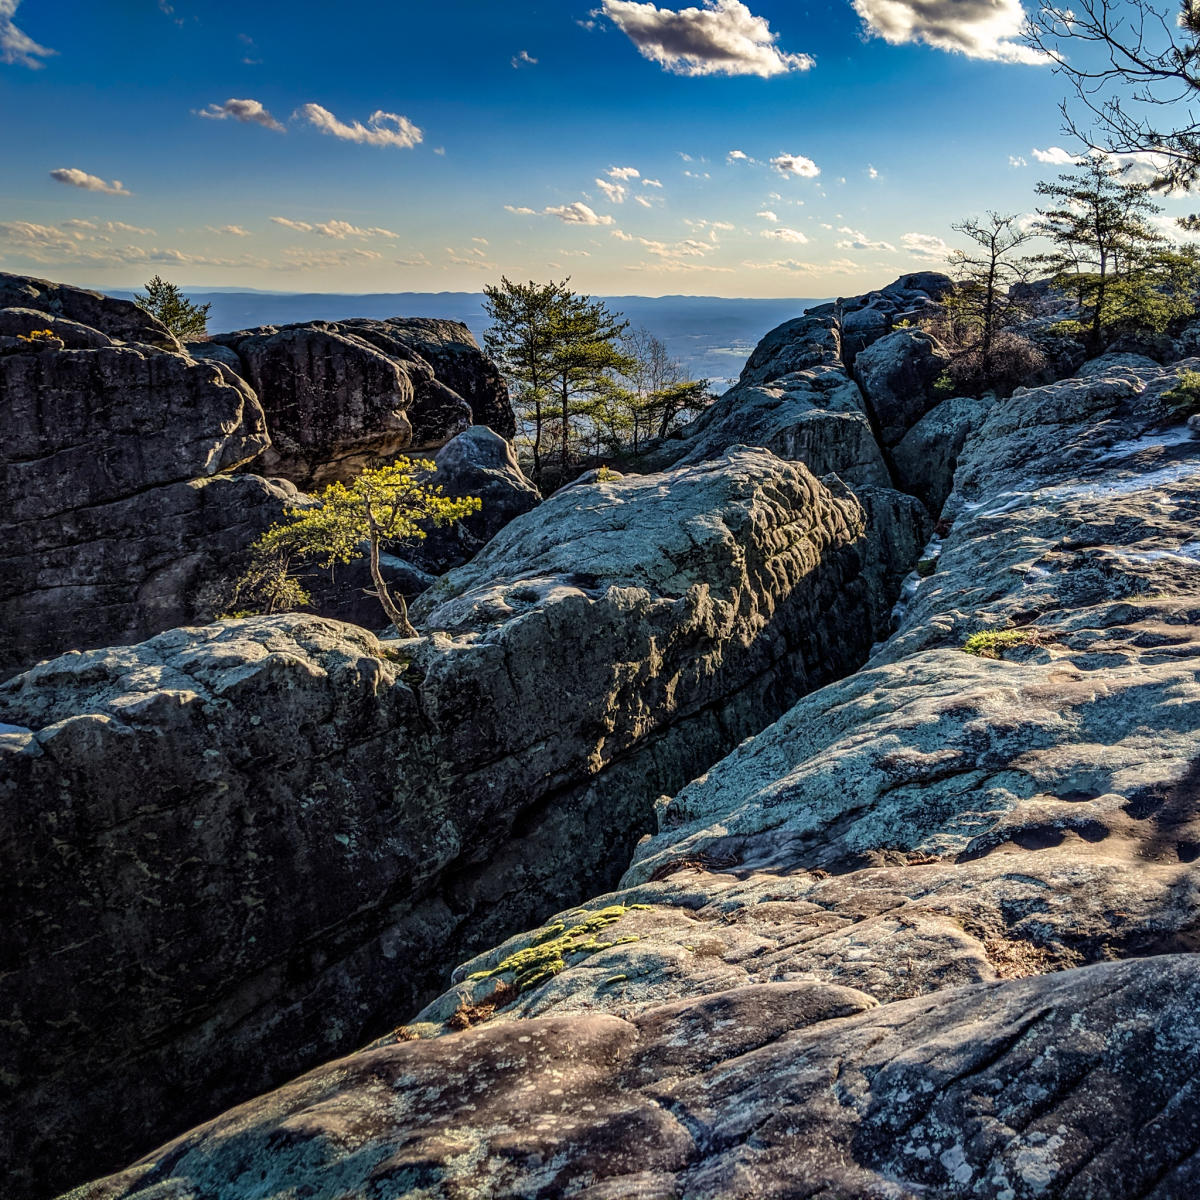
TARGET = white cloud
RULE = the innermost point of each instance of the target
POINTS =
(857, 240)
(722, 38)
(16, 46)
(381, 129)
(784, 234)
(230, 230)
(121, 227)
(988, 29)
(925, 245)
(796, 164)
(307, 260)
(334, 228)
(736, 156)
(91, 183)
(837, 266)
(643, 201)
(1016, 160)
(651, 183)
(482, 241)
(575, 213)
(767, 215)
(623, 173)
(249, 112)
(524, 59)
(614, 191)
(1056, 156)
(872, 173)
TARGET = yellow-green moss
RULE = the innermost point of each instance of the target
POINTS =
(991, 643)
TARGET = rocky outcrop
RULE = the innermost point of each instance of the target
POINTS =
(881, 939)
(113, 472)
(865, 319)
(1078, 1084)
(281, 833)
(896, 375)
(796, 399)
(477, 463)
(341, 394)
(925, 459)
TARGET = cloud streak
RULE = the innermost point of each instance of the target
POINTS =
(16, 46)
(575, 213)
(722, 38)
(382, 128)
(248, 112)
(90, 183)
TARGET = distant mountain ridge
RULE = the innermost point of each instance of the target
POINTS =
(711, 335)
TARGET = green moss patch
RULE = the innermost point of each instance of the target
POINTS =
(991, 643)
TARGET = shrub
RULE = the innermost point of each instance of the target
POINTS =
(1184, 397)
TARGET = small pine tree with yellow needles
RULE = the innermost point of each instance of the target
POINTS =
(387, 504)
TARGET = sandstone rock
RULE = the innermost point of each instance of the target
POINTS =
(926, 457)
(478, 463)
(340, 394)
(896, 374)
(794, 398)
(110, 449)
(121, 320)
(865, 319)
(240, 849)
(1078, 1084)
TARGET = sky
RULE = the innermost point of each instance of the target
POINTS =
(766, 148)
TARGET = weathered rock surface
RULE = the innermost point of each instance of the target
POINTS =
(867, 318)
(112, 473)
(478, 462)
(925, 459)
(796, 399)
(896, 375)
(340, 394)
(1069, 1085)
(237, 850)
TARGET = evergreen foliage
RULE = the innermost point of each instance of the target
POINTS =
(187, 321)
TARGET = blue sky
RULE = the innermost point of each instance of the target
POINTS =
(714, 147)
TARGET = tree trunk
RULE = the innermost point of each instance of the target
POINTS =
(397, 610)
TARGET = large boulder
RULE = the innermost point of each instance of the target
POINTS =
(794, 398)
(231, 852)
(480, 463)
(896, 374)
(340, 395)
(1069, 1085)
(113, 473)
(926, 457)
(864, 319)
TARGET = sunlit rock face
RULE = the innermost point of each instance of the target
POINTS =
(340, 395)
(881, 941)
(241, 849)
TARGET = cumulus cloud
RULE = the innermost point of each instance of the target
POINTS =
(855, 239)
(614, 191)
(988, 29)
(382, 128)
(1056, 156)
(524, 59)
(872, 173)
(767, 215)
(736, 156)
(229, 230)
(655, 183)
(1017, 160)
(623, 173)
(16, 46)
(249, 112)
(784, 234)
(334, 228)
(722, 38)
(925, 245)
(795, 164)
(91, 183)
(575, 213)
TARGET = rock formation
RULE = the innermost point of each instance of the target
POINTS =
(282, 833)
(878, 947)
(123, 470)
(341, 394)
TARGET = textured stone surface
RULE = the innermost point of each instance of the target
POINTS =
(925, 459)
(1072, 1085)
(341, 394)
(111, 474)
(795, 398)
(477, 463)
(896, 375)
(240, 849)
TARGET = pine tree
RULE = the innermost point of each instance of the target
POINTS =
(187, 321)
(1102, 234)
